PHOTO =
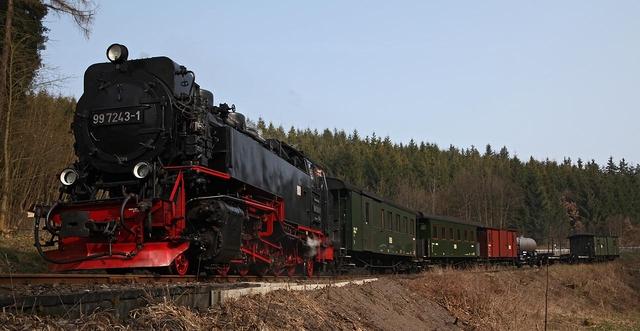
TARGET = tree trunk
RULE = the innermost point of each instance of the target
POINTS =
(4, 103)
(433, 196)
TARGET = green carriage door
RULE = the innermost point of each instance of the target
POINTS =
(367, 222)
(439, 239)
(357, 221)
(600, 246)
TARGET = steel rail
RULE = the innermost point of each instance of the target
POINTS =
(41, 279)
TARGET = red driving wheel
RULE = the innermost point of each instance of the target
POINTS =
(242, 269)
(291, 270)
(223, 270)
(279, 264)
(308, 268)
(277, 270)
(260, 269)
(180, 265)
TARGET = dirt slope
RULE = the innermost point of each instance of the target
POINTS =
(380, 305)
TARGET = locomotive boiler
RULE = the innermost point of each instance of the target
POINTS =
(165, 179)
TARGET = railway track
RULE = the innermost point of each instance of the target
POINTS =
(79, 279)
(72, 279)
(42, 279)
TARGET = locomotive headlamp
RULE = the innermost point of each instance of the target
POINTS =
(117, 53)
(68, 176)
(142, 170)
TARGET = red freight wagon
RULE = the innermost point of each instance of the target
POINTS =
(497, 243)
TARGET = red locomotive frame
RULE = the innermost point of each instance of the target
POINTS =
(130, 249)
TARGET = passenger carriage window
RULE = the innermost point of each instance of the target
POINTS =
(397, 223)
(442, 232)
(389, 220)
(435, 232)
(382, 219)
(412, 228)
(366, 213)
(450, 234)
(406, 224)
(458, 234)
(465, 235)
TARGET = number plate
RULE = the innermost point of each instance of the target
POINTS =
(112, 117)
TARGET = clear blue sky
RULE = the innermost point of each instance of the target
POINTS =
(545, 78)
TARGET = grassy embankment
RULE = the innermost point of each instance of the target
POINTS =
(18, 255)
(602, 296)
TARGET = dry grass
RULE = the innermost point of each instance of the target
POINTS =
(373, 306)
(96, 321)
(601, 296)
(18, 255)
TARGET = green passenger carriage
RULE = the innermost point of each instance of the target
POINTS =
(375, 232)
(446, 239)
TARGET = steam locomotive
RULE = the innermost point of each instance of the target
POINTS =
(166, 179)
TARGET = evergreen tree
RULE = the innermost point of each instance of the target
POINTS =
(492, 189)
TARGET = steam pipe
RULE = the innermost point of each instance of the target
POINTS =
(122, 207)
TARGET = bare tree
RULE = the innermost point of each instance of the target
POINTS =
(82, 11)
(4, 65)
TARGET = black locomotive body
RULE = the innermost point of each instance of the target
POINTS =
(165, 178)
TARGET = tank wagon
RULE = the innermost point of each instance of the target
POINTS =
(527, 251)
